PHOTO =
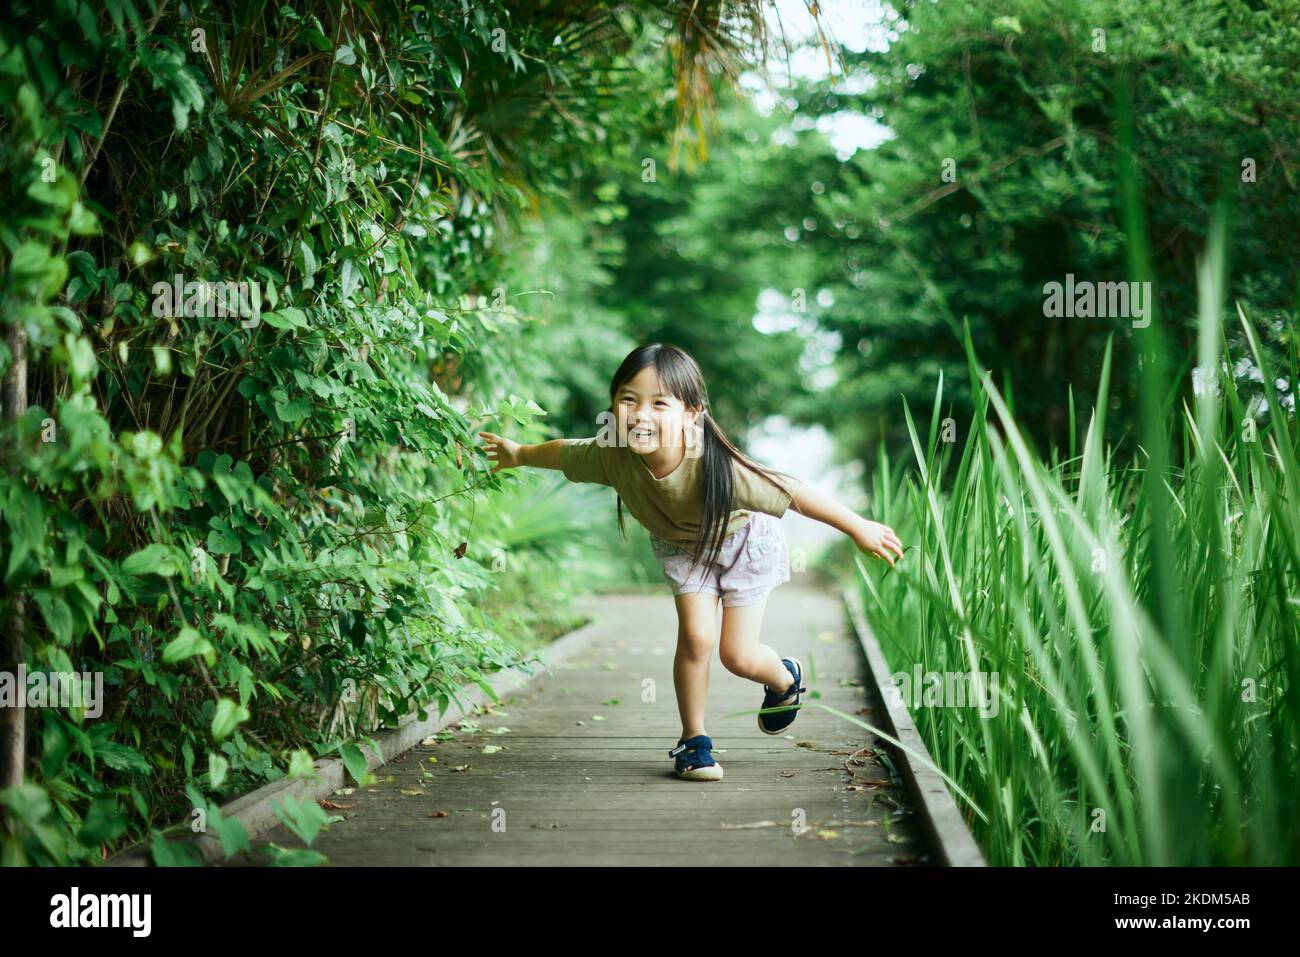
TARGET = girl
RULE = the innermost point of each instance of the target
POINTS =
(712, 516)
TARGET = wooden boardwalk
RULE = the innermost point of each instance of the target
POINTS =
(582, 780)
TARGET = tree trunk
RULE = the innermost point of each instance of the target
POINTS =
(13, 721)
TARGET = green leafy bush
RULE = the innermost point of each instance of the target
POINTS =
(250, 506)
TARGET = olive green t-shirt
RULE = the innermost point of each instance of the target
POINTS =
(670, 507)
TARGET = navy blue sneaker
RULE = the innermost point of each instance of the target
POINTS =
(774, 722)
(695, 760)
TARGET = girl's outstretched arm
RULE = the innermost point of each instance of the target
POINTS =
(870, 537)
(508, 455)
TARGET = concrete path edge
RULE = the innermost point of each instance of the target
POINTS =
(952, 841)
(256, 809)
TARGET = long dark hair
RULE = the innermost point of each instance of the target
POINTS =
(680, 375)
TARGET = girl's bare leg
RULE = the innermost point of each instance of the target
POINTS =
(741, 651)
(697, 632)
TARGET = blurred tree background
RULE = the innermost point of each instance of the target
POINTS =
(996, 175)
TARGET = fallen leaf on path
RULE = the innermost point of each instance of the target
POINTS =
(334, 805)
(438, 814)
(462, 767)
(412, 792)
(344, 791)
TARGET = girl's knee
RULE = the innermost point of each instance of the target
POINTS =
(695, 644)
(737, 662)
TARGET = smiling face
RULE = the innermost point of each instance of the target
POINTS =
(648, 418)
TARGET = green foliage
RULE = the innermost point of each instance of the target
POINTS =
(1029, 117)
(255, 515)
(1137, 714)
(304, 819)
(891, 256)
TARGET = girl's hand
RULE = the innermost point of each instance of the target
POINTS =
(877, 539)
(502, 451)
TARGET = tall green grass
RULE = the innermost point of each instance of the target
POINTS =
(1142, 619)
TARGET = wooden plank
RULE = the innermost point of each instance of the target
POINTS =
(603, 792)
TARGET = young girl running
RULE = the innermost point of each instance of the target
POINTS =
(712, 517)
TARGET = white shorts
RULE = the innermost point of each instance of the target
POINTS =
(754, 560)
